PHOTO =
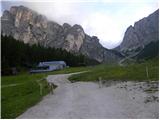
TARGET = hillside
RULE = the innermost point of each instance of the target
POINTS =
(151, 50)
(137, 37)
(31, 27)
(17, 54)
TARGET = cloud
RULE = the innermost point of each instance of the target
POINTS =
(104, 26)
(107, 19)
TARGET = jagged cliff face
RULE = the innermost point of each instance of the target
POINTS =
(91, 46)
(142, 33)
(74, 38)
(33, 28)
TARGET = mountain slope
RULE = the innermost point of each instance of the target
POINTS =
(17, 54)
(151, 50)
(27, 25)
(141, 34)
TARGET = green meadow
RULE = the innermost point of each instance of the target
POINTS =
(22, 91)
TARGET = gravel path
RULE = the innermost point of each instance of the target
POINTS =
(86, 100)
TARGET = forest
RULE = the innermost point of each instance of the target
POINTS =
(17, 54)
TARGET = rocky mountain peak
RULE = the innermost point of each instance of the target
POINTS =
(95, 39)
(15, 9)
(27, 25)
(74, 38)
(66, 26)
(142, 33)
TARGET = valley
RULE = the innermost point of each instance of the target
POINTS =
(96, 82)
(113, 76)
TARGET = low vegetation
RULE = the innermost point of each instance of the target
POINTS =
(136, 71)
(23, 91)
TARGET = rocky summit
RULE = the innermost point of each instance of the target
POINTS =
(27, 25)
(141, 34)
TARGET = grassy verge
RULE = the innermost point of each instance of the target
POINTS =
(129, 72)
(70, 70)
(16, 99)
(25, 76)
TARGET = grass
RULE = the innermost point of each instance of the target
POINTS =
(25, 76)
(17, 99)
(70, 70)
(130, 72)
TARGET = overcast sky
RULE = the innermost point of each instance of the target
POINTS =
(106, 19)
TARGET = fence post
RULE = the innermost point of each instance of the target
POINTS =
(51, 87)
(40, 89)
(147, 72)
(100, 82)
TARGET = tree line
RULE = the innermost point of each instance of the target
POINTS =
(16, 53)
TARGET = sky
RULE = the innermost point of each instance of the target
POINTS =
(106, 19)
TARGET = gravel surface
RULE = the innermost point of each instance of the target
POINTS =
(90, 100)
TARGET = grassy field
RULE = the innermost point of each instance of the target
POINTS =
(16, 99)
(130, 72)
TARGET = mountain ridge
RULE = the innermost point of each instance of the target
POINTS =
(141, 34)
(31, 27)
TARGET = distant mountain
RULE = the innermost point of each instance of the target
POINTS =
(141, 39)
(27, 25)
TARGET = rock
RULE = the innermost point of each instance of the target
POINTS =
(66, 27)
(27, 25)
(91, 47)
(74, 39)
(142, 33)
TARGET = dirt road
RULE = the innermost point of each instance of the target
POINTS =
(88, 100)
